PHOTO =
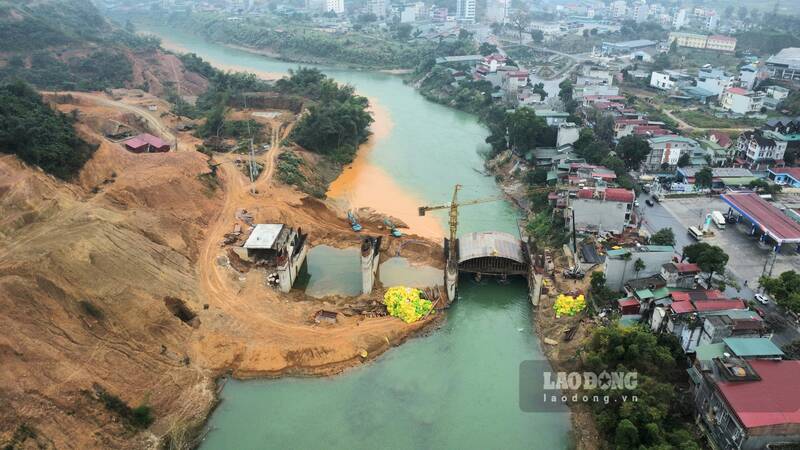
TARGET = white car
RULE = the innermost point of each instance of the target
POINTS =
(762, 299)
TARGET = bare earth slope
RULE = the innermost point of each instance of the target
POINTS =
(89, 276)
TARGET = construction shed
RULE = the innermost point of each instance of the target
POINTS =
(266, 240)
(146, 143)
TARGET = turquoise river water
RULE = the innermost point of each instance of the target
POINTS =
(456, 387)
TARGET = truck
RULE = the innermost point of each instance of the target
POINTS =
(718, 219)
(695, 233)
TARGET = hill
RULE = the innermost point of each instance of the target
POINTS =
(69, 45)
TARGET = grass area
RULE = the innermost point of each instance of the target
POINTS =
(692, 58)
(703, 119)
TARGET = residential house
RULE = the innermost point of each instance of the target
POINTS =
(680, 275)
(667, 150)
(722, 177)
(713, 80)
(775, 95)
(601, 210)
(663, 81)
(749, 76)
(748, 404)
(552, 118)
(785, 176)
(740, 101)
(620, 264)
(568, 133)
(759, 149)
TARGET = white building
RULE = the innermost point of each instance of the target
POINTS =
(465, 10)
(748, 75)
(714, 80)
(601, 209)
(336, 6)
(618, 9)
(668, 150)
(680, 19)
(663, 81)
(377, 7)
(620, 266)
(741, 101)
(761, 148)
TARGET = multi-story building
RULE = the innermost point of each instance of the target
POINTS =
(663, 81)
(740, 101)
(716, 42)
(619, 8)
(721, 43)
(785, 65)
(747, 402)
(377, 7)
(680, 19)
(690, 40)
(336, 6)
(601, 209)
(465, 10)
(667, 150)
(713, 80)
(759, 149)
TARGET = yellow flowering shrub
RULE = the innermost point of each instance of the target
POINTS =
(406, 303)
(567, 305)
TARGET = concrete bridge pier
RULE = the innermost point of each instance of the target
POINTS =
(451, 280)
(290, 260)
(370, 259)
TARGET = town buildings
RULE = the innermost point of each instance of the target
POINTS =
(620, 265)
(336, 6)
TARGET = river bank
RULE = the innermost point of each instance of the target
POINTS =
(409, 387)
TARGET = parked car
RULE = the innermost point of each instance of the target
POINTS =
(649, 202)
(763, 299)
(760, 312)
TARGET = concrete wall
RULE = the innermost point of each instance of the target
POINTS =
(598, 215)
(619, 271)
(287, 273)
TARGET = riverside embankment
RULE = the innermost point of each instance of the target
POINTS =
(458, 385)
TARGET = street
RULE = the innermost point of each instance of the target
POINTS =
(746, 258)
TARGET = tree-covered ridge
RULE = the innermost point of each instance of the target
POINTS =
(337, 121)
(38, 135)
(65, 45)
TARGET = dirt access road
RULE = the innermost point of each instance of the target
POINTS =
(153, 121)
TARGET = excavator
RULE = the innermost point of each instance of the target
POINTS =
(351, 216)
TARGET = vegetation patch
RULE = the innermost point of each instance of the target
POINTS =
(139, 417)
(38, 135)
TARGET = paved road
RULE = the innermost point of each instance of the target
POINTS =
(657, 217)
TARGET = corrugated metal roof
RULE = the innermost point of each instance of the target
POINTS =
(263, 236)
(745, 347)
(489, 243)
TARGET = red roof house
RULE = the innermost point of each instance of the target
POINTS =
(628, 305)
(773, 400)
(146, 143)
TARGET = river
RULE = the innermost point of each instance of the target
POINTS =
(454, 388)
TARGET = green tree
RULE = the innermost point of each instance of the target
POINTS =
(487, 49)
(537, 177)
(785, 289)
(537, 36)
(598, 281)
(639, 266)
(604, 129)
(633, 150)
(614, 163)
(684, 160)
(626, 436)
(704, 178)
(710, 258)
(565, 90)
(664, 236)
(763, 186)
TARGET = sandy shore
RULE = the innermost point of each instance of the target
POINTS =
(364, 184)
